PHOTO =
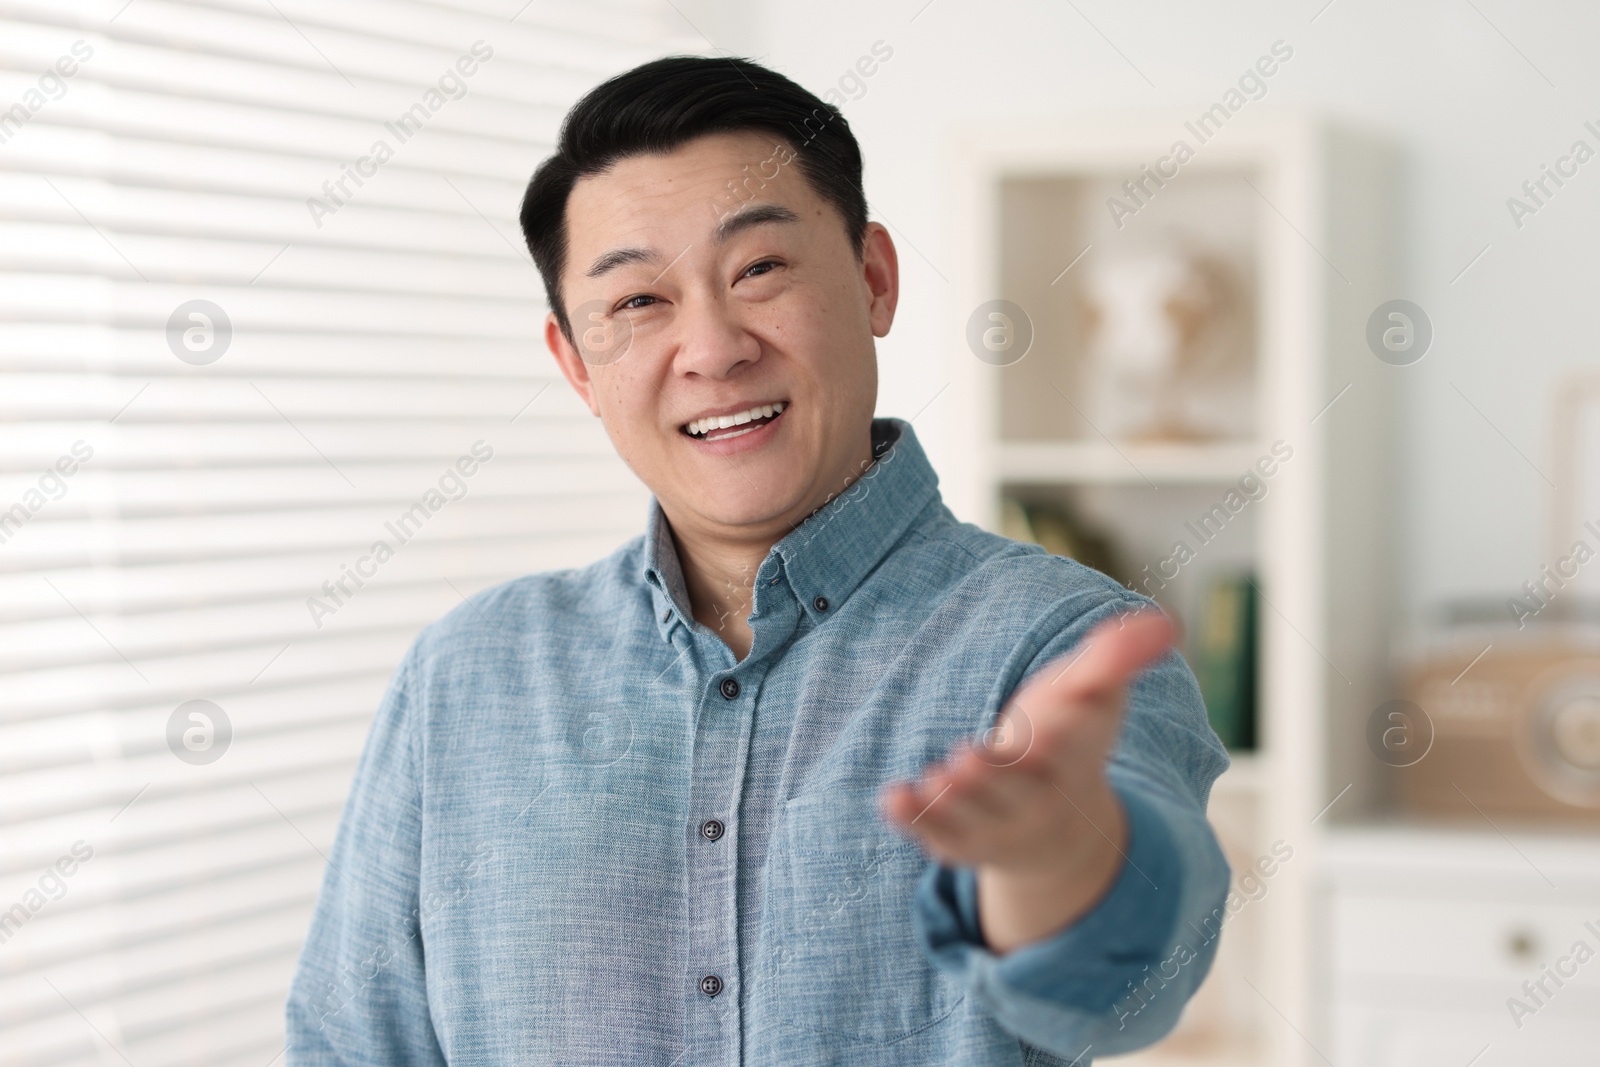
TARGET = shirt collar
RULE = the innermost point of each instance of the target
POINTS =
(828, 554)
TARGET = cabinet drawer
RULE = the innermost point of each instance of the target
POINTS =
(1384, 1038)
(1462, 938)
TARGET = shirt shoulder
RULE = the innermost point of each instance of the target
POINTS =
(580, 601)
(971, 561)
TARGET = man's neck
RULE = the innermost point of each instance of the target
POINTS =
(719, 571)
(720, 576)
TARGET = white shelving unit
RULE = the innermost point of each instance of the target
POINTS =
(1311, 198)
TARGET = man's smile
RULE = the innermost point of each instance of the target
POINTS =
(734, 422)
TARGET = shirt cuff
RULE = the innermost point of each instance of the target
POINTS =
(1090, 964)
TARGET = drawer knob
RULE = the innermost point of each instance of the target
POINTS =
(1522, 945)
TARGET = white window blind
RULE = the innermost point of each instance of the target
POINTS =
(179, 525)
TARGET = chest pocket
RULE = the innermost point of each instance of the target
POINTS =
(843, 959)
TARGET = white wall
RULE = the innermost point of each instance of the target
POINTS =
(1467, 106)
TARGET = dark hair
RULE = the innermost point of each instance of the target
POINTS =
(660, 105)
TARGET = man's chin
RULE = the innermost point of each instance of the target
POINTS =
(770, 514)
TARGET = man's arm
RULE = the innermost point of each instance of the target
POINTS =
(1090, 954)
(359, 995)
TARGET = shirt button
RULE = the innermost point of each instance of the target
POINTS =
(710, 985)
(730, 687)
(821, 603)
(711, 829)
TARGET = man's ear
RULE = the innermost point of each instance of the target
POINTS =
(880, 269)
(571, 363)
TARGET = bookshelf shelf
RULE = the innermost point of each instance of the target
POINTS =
(1102, 463)
(1276, 201)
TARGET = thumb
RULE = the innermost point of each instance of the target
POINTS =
(1080, 693)
(1111, 654)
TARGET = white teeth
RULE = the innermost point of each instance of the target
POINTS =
(723, 422)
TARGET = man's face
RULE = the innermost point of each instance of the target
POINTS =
(713, 281)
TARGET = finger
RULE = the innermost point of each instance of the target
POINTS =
(908, 803)
(995, 791)
(957, 782)
(961, 783)
(1109, 657)
(1070, 708)
(1002, 785)
(937, 821)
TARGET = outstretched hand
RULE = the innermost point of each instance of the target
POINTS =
(1030, 805)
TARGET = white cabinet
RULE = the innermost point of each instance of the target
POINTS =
(1448, 948)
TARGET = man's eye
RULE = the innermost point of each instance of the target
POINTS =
(755, 270)
(631, 304)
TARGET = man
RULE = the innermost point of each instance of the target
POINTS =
(810, 773)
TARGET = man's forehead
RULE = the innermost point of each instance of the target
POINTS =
(706, 190)
(727, 170)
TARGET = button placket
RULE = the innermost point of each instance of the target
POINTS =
(720, 746)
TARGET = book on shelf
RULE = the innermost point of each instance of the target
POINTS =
(1224, 658)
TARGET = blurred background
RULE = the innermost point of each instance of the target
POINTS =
(1321, 380)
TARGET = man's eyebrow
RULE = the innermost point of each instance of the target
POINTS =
(621, 257)
(755, 215)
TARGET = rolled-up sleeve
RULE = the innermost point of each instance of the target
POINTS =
(1116, 979)
(359, 993)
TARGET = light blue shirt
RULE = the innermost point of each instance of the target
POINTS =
(581, 832)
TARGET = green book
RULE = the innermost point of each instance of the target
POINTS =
(1225, 660)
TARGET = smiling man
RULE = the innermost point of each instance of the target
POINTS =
(811, 772)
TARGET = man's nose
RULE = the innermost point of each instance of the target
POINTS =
(712, 341)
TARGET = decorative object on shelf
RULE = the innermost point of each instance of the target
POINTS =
(1168, 342)
(1514, 718)
(1510, 693)
(1225, 660)
(1059, 531)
